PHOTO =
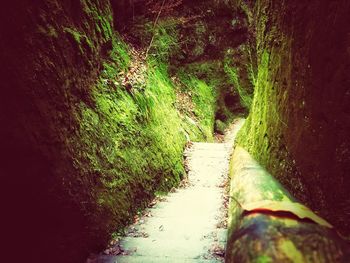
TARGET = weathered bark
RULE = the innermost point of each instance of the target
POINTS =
(268, 225)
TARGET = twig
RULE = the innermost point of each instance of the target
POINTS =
(238, 203)
(154, 27)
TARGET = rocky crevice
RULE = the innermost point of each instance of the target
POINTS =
(299, 115)
(92, 129)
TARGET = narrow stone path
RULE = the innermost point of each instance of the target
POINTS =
(189, 224)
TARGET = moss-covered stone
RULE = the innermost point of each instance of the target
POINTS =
(85, 146)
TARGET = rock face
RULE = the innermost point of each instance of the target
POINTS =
(81, 152)
(299, 123)
(50, 55)
(90, 130)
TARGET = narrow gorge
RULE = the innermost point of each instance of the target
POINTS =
(101, 98)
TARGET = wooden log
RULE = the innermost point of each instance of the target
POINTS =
(266, 224)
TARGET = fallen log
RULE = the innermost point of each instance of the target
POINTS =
(266, 224)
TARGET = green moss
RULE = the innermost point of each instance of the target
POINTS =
(163, 39)
(232, 71)
(264, 127)
(130, 142)
(220, 126)
(170, 43)
(199, 38)
(210, 71)
(204, 99)
(103, 19)
(81, 40)
(263, 259)
(256, 122)
(74, 33)
(119, 56)
(133, 141)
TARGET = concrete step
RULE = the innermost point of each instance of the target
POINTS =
(184, 226)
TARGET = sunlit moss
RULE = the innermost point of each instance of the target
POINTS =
(133, 141)
(265, 119)
(204, 98)
(161, 38)
(263, 259)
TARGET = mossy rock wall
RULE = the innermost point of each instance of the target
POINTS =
(82, 152)
(203, 41)
(299, 122)
(50, 55)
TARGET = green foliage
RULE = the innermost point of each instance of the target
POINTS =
(130, 141)
(80, 39)
(102, 23)
(234, 77)
(263, 120)
(213, 74)
(209, 71)
(133, 141)
(199, 38)
(204, 99)
(162, 38)
(74, 33)
(119, 59)
(259, 110)
(220, 126)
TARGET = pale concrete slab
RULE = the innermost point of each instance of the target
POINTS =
(184, 226)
